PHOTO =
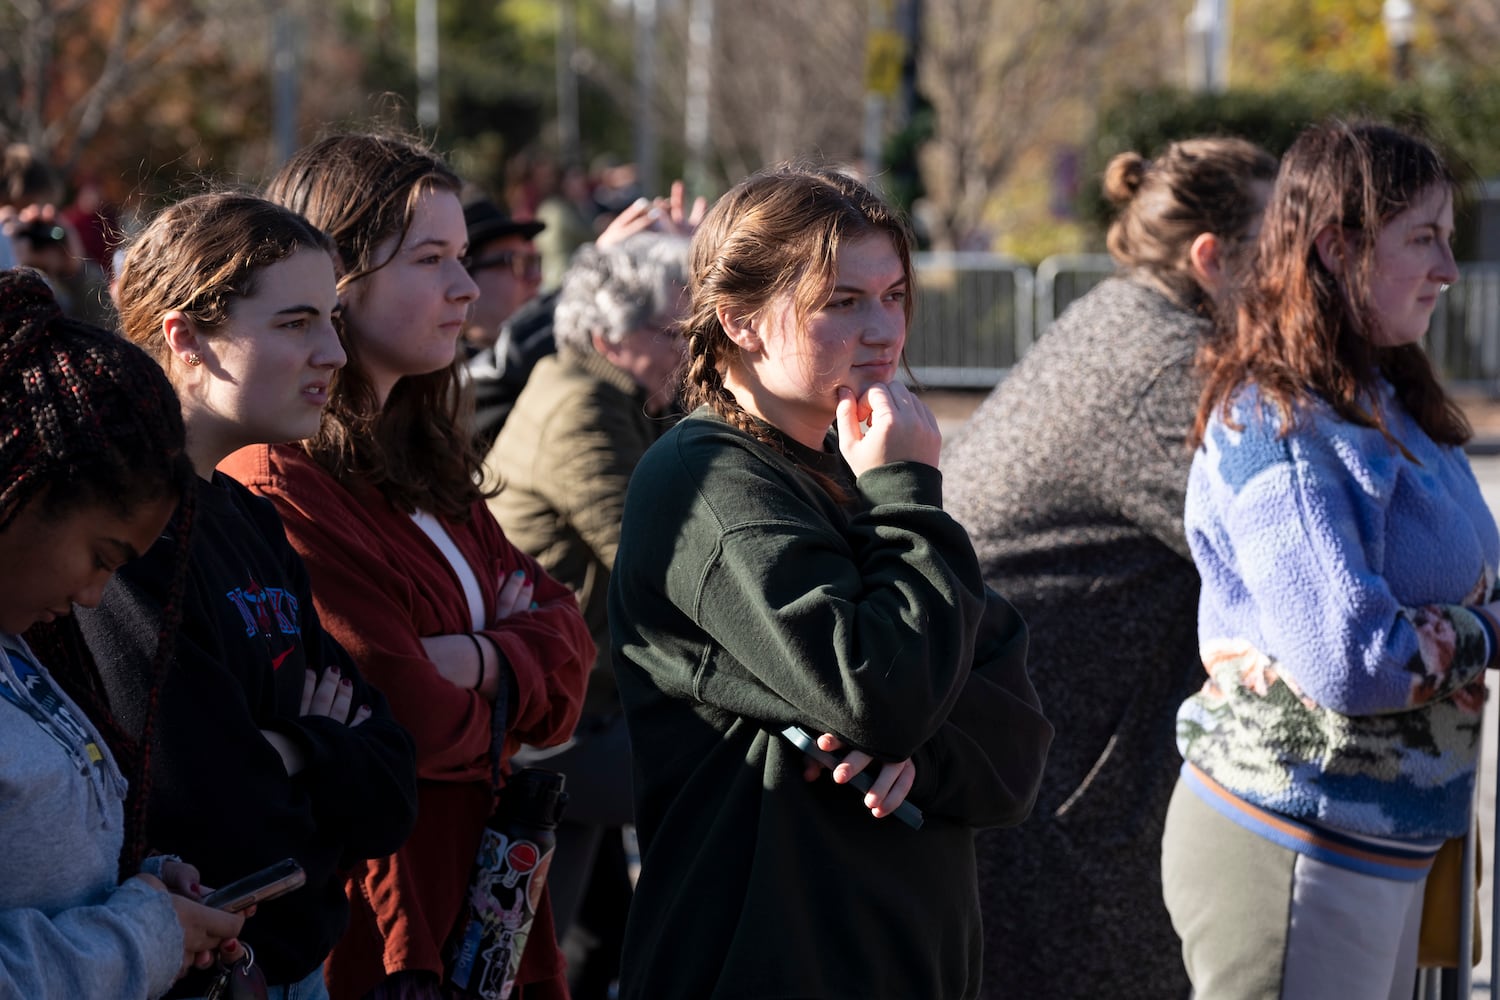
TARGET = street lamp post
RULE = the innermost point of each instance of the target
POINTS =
(286, 71)
(696, 123)
(1208, 46)
(645, 96)
(1400, 18)
(427, 63)
(569, 143)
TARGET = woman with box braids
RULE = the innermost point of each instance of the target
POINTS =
(91, 470)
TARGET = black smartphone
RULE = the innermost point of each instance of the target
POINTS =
(800, 738)
(266, 884)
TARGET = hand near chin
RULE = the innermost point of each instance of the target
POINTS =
(887, 424)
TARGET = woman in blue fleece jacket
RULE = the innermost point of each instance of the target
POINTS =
(1348, 561)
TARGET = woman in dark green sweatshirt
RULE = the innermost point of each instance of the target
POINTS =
(770, 575)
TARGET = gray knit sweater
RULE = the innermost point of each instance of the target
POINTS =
(1070, 478)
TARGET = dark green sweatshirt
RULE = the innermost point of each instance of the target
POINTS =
(744, 600)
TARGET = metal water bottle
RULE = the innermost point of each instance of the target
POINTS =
(515, 852)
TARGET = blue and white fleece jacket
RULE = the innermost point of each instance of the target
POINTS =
(1346, 675)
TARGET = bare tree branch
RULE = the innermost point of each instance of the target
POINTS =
(121, 74)
(1001, 75)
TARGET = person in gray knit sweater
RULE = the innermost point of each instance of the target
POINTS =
(1070, 478)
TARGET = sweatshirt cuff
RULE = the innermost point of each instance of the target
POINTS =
(1491, 643)
(902, 483)
(153, 920)
(155, 863)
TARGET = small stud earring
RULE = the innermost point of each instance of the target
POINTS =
(1444, 287)
(194, 360)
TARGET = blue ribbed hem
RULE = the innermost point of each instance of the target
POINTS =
(1332, 847)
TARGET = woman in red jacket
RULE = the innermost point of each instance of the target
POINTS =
(410, 572)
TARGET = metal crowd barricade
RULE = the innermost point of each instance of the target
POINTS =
(974, 318)
(980, 312)
(1064, 277)
(1464, 339)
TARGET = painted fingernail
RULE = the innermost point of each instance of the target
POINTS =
(519, 574)
(346, 683)
(534, 606)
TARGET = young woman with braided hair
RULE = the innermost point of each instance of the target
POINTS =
(476, 647)
(91, 469)
(771, 575)
(263, 717)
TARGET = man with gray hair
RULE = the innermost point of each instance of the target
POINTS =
(565, 454)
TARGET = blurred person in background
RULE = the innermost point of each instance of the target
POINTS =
(1070, 478)
(505, 264)
(498, 373)
(41, 237)
(564, 458)
(568, 210)
(95, 220)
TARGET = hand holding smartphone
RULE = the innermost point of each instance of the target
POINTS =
(808, 744)
(266, 884)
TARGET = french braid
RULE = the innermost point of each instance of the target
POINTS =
(89, 419)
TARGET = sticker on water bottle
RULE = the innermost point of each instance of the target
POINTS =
(503, 900)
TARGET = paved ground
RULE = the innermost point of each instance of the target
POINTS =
(953, 407)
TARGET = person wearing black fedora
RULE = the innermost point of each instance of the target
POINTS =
(504, 263)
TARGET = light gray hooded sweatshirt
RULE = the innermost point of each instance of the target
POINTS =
(67, 930)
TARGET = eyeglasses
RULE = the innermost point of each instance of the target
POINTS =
(524, 264)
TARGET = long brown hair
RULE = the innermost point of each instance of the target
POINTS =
(777, 232)
(1299, 331)
(199, 256)
(361, 191)
(1192, 187)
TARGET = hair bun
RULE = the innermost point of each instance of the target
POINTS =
(1123, 176)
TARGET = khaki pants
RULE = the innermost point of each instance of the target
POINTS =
(1261, 922)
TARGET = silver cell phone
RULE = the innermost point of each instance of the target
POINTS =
(264, 885)
(808, 744)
